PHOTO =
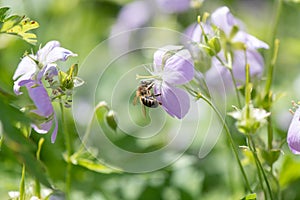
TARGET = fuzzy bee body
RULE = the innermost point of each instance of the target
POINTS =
(150, 101)
(146, 96)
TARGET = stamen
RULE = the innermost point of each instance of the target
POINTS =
(147, 77)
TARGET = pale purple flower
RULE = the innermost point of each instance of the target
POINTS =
(30, 72)
(225, 21)
(44, 108)
(173, 6)
(293, 136)
(218, 74)
(172, 67)
(138, 14)
(255, 60)
(36, 65)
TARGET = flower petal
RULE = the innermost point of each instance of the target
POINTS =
(179, 68)
(175, 101)
(26, 68)
(58, 53)
(250, 41)
(255, 61)
(223, 19)
(42, 54)
(293, 136)
(173, 6)
(48, 72)
(128, 20)
(42, 128)
(159, 57)
(41, 99)
(52, 52)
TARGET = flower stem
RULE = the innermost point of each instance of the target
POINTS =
(236, 89)
(37, 182)
(235, 151)
(22, 184)
(257, 167)
(254, 152)
(271, 64)
(229, 67)
(273, 45)
(69, 153)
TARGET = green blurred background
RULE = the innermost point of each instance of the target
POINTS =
(80, 25)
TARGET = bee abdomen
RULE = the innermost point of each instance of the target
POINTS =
(149, 101)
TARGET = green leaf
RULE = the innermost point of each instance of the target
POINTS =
(270, 156)
(3, 12)
(18, 25)
(289, 171)
(250, 197)
(87, 160)
(94, 166)
(16, 142)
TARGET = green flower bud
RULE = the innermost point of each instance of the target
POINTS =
(112, 120)
(215, 45)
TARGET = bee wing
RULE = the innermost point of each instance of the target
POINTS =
(144, 110)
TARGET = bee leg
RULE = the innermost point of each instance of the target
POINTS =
(150, 86)
(134, 100)
(143, 108)
(156, 95)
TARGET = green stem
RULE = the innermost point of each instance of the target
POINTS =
(273, 44)
(236, 89)
(22, 184)
(271, 63)
(235, 151)
(37, 182)
(69, 153)
(257, 167)
(261, 168)
(229, 67)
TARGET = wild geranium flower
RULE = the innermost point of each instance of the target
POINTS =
(172, 67)
(30, 72)
(293, 136)
(238, 39)
(234, 41)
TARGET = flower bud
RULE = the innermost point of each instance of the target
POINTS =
(249, 119)
(112, 120)
(215, 45)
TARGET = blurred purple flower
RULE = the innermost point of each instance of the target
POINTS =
(173, 6)
(225, 21)
(293, 136)
(173, 66)
(254, 59)
(30, 72)
(138, 14)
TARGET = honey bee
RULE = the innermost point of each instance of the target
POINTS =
(146, 96)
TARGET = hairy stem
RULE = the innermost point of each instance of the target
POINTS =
(231, 141)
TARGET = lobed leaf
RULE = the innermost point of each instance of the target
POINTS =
(18, 25)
